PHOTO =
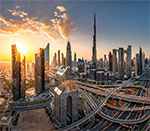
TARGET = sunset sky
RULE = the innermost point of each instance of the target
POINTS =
(34, 24)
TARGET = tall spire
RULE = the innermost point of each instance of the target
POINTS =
(94, 24)
(94, 53)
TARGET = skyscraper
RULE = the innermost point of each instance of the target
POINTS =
(137, 61)
(58, 57)
(42, 70)
(121, 63)
(55, 59)
(110, 57)
(105, 62)
(80, 65)
(16, 74)
(46, 57)
(114, 61)
(23, 77)
(94, 52)
(128, 60)
(75, 60)
(39, 72)
(62, 58)
(32, 70)
(68, 55)
(28, 68)
(46, 62)
(140, 61)
(143, 61)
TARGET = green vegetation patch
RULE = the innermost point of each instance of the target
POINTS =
(80, 100)
(108, 101)
(117, 104)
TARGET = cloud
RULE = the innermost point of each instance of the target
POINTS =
(7, 30)
(17, 6)
(42, 27)
(18, 13)
(12, 26)
(55, 14)
(61, 8)
(63, 24)
(58, 27)
(65, 17)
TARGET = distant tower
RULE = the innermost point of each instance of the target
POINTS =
(114, 61)
(128, 60)
(55, 59)
(28, 68)
(140, 63)
(75, 60)
(58, 57)
(121, 63)
(137, 61)
(105, 62)
(68, 55)
(33, 70)
(110, 57)
(62, 58)
(143, 61)
(94, 52)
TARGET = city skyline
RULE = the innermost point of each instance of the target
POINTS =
(111, 32)
(74, 65)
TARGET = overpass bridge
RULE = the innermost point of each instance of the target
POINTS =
(128, 109)
(108, 86)
(30, 105)
(93, 105)
(130, 98)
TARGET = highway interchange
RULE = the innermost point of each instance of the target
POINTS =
(133, 115)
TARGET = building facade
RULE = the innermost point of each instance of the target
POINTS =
(66, 105)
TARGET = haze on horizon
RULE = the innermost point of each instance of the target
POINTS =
(34, 24)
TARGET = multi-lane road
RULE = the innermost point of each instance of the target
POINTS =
(132, 116)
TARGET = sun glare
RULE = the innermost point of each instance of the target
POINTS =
(21, 48)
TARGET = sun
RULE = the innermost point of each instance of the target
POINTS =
(21, 48)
